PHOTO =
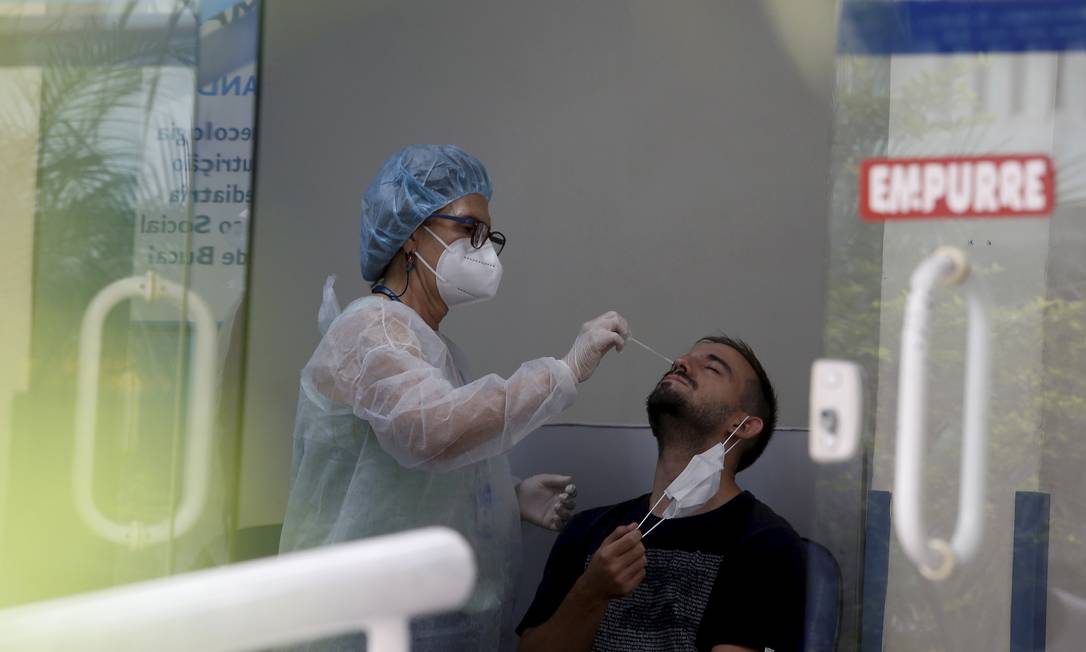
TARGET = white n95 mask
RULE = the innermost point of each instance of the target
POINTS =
(697, 483)
(466, 274)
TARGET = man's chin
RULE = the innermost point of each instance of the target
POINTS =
(668, 392)
(664, 400)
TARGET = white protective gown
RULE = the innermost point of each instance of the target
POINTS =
(391, 436)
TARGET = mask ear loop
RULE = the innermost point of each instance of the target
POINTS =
(732, 447)
(725, 442)
(745, 419)
(443, 243)
(651, 510)
(423, 260)
(652, 528)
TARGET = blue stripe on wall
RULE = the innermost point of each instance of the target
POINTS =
(882, 27)
(876, 570)
(1029, 574)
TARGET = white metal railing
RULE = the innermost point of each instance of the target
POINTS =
(201, 400)
(375, 585)
(934, 557)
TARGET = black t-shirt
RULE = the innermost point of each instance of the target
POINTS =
(732, 576)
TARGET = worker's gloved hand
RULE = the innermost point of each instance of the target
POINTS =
(597, 337)
(547, 500)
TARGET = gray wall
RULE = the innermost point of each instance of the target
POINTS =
(666, 160)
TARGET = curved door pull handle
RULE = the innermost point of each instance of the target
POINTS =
(200, 412)
(935, 558)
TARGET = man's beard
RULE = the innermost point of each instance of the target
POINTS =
(676, 421)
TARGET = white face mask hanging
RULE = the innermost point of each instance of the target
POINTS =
(465, 274)
(697, 484)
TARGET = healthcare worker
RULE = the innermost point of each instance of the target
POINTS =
(391, 433)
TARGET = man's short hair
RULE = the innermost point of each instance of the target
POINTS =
(758, 398)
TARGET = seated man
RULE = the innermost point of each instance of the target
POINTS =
(725, 576)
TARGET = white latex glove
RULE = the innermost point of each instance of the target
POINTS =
(597, 337)
(547, 500)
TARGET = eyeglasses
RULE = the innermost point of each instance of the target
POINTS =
(480, 231)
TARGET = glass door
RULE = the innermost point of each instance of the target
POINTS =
(126, 133)
(959, 173)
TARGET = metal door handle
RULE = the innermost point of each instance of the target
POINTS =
(200, 412)
(934, 557)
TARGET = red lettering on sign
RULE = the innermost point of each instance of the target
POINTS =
(973, 186)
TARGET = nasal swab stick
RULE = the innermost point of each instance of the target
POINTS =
(649, 349)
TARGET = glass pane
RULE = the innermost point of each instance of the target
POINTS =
(126, 140)
(905, 99)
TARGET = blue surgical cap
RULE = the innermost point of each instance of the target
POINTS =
(411, 186)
